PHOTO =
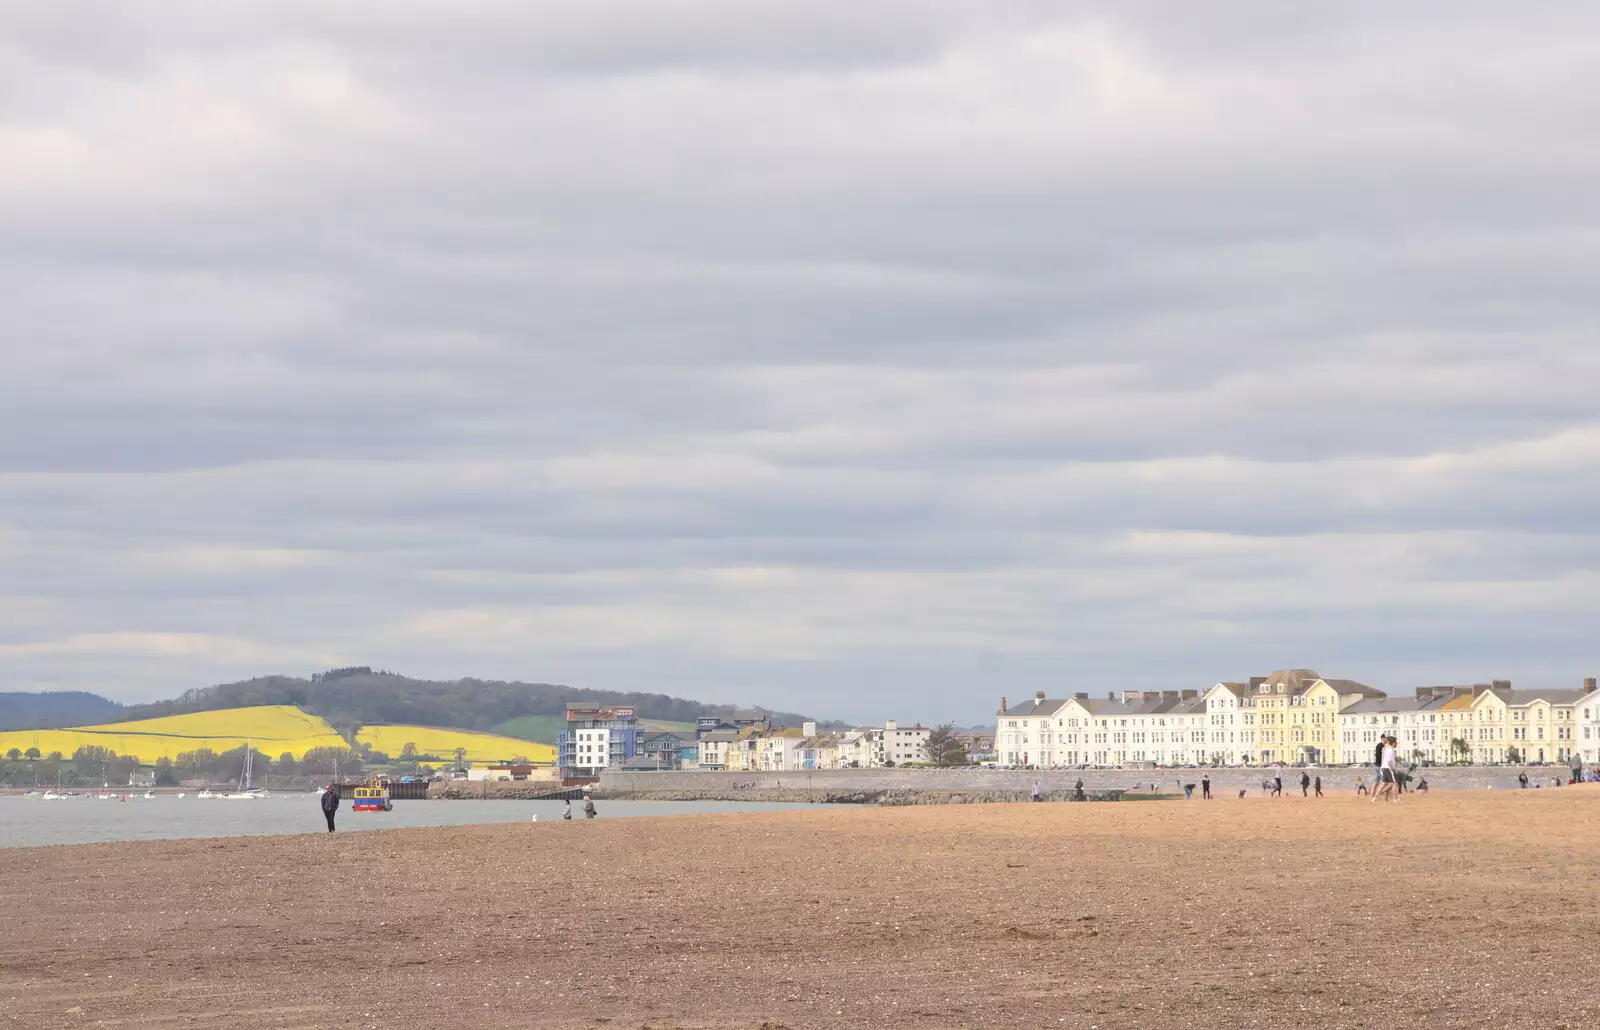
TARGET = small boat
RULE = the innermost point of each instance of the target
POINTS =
(149, 793)
(206, 793)
(181, 794)
(51, 795)
(245, 791)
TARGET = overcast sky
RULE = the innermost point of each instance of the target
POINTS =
(868, 359)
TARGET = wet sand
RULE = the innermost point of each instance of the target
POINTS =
(1455, 910)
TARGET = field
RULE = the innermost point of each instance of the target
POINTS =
(1467, 909)
(272, 729)
(481, 747)
(546, 728)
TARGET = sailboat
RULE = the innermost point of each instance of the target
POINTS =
(245, 791)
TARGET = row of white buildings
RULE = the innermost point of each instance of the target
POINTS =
(759, 749)
(1295, 715)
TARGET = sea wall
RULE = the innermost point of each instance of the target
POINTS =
(1005, 784)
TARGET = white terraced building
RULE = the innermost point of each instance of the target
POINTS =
(1137, 726)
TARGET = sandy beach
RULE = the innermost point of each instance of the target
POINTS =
(1453, 910)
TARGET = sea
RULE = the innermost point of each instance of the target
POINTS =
(27, 822)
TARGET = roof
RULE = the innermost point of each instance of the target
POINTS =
(1389, 705)
(1033, 708)
(1352, 687)
(720, 736)
(1296, 680)
(1518, 698)
(640, 762)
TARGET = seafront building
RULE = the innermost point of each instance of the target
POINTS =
(1297, 716)
(597, 737)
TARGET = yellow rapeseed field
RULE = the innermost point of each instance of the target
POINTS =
(430, 740)
(271, 729)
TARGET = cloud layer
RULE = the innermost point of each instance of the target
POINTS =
(872, 360)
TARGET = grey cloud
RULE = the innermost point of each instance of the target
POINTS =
(864, 359)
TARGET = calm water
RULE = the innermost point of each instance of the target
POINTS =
(29, 822)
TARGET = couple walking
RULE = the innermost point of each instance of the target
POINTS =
(1388, 782)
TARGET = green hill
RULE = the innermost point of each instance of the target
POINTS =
(353, 697)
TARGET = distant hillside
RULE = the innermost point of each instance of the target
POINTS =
(54, 709)
(354, 697)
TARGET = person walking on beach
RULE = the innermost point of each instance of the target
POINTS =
(1277, 781)
(1205, 787)
(1077, 790)
(1522, 778)
(588, 807)
(1318, 786)
(1305, 784)
(1035, 794)
(1387, 780)
(330, 804)
(566, 810)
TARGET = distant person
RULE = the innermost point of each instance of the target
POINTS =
(330, 804)
(1241, 795)
(1422, 785)
(1361, 785)
(1318, 785)
(1205, 787)
(566, 810)
(1277, 780)
(1035, 793)
(1522, 779)
(1077, 790)
(588, 807)
(1377, 762)
(1576, 764)
(1305, 784)
(1188, 792)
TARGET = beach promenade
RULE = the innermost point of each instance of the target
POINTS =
(1460, 909)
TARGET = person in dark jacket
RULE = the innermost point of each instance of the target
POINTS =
(1205, 787)
(1316, 785)
(1305, 784)
(330, 804)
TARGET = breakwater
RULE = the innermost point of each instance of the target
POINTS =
(974, 783)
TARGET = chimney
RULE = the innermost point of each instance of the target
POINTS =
(1152, 695)
(809, 729)
(1461, 692)
(1502, 684)
(1424, 693)
(1002, 704)
(1081, 697)
(1169, 694)
(1038, 696)
(1588, 684)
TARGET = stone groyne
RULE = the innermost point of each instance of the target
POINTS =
(1017, 784)
(854, 797)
